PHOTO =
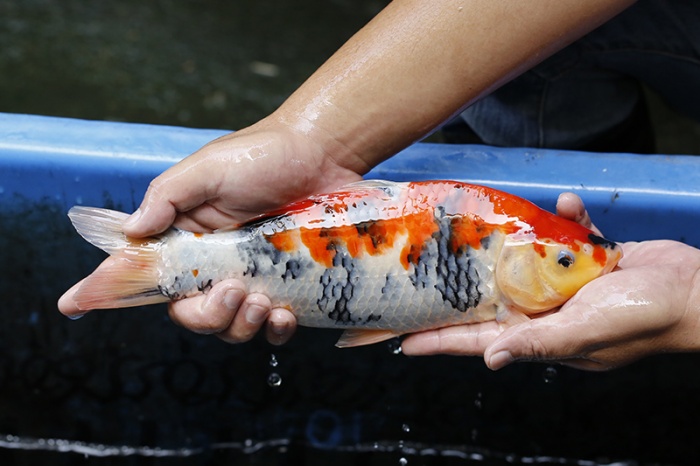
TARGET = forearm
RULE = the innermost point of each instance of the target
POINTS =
(420, 62)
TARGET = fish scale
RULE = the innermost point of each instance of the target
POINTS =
(376, 258)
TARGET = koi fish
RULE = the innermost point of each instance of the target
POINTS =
(376, 258)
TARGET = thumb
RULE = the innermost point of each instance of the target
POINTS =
(154, 216)
(544, 339)
(179, 189)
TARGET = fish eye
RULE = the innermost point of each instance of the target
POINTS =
(565, 259)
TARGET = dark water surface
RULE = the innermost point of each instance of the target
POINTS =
(200, 63)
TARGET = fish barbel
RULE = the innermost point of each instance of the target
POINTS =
(376, 258)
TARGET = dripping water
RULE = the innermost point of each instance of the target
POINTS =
(274, 380)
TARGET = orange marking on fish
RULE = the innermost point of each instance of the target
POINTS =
(375, 237)
(366, 238)
(319, 245)
(198, 235)
(420, 228)
(539, 249)
(195, 272)
(544, 225)
(600, 256)
(283, 240)
(469, 231)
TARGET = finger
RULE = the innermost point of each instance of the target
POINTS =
(66, 304)
(460, 340)
(281, 325)
(584, 334)
(205, 218)
(178, 189)
(210, 313)
(551, 338)
(570, 206)
(249, 319)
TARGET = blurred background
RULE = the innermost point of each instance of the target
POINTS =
(200, 63)
(210, 63)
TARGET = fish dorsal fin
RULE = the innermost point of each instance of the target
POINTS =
(302, 204)
(368, 184)
(100, 227)
(361, 337)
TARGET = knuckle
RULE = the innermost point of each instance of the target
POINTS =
(537, 350)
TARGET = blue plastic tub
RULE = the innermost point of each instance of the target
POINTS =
(130, 384)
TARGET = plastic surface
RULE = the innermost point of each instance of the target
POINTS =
(630, 197)
(131, 385)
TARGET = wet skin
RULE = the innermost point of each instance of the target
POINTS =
(649, 305)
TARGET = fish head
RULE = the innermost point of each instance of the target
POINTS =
(537, 275)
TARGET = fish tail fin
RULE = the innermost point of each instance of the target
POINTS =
(121, 282)
(130, 277)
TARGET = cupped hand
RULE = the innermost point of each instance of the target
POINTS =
(650, 305)
(225, 183)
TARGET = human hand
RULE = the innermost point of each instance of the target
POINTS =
(651, 305)
(223, 184)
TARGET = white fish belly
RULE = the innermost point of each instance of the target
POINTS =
(441, 288)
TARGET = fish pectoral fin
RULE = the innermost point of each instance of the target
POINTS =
(361, 337)
(510, 317)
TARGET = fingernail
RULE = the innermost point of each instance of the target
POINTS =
(133, 218)
(500, 360)
(233, 299)
(255, 314)
(278, 328)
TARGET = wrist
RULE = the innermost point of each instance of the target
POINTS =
(321, 135)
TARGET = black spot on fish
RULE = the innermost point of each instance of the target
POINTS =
(368, 228)
(600, 241)
(451, 271)
(338, 289)
(422, 270)
(168, 293)
(204, 287)
(251, 267)
(387, 284)
(292, 271)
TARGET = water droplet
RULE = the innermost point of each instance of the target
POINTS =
(549, 375)
(406, 428)
(478, 404)
(274, 380)
(403, 461)
(394, 346)
(273, 360)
